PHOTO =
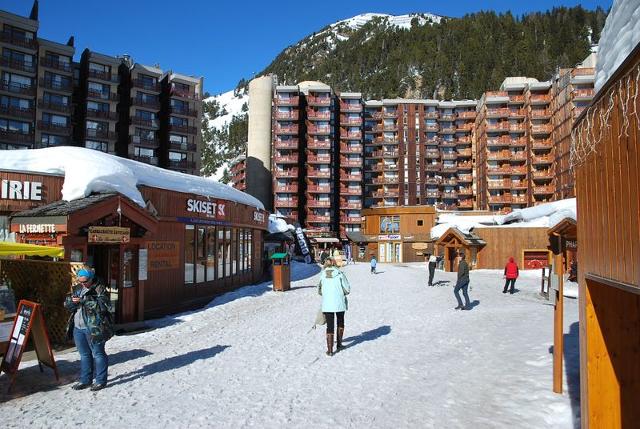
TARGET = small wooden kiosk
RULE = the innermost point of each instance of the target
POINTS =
(453, 242)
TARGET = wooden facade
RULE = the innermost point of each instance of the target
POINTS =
(182, 249)
(398, 234)
(607, 188)
(491, 247)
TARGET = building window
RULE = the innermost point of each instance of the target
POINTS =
(420, 222)
(211, 253)
(16, 82)
(189, 255)
(175, 138)
(389, 224)
(201, 254)
(57, 81)
(145, 133)
(97, 107)
(16, 103)
(92, 144)
(99, 90)
(55, 120)
(148, 81)
(173, 120)
(57, 60)
(47, 140)
(177, 156)
(15, 126)
(25, 60)
(143, 152)
(56, 99)
(220, 243)
(99, 68)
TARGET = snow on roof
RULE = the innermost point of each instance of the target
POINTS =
(542, 216)
(88, 171)
(278, 224)
(620, 36)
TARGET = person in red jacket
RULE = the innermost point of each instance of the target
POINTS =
(511, 273)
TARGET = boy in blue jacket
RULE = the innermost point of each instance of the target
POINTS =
(374, 263)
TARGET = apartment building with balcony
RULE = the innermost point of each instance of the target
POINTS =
(180, 121)
(381, 154)
(238, 172)
(465, 115)
(351, 162)
(320, 153)
(18, 79)
(572, 93)
(287, 153)
(140, 111)
(542, 147)
(96, 102)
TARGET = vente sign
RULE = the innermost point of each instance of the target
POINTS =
(214, 209)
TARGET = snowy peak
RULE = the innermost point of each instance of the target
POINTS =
(399, 21)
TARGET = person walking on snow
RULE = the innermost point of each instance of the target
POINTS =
(91, 326)
(432, 261)
(511, 273)
(462, 284)
(334, 288)
(374, 263)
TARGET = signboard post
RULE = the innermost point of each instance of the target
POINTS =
(29, 321)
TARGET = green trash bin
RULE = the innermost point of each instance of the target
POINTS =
(280, 264)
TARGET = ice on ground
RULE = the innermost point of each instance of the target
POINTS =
(88, 171)
(250, 359)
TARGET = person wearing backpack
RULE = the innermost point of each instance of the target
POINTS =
(91, 327)
(511, 273)
(334, 288)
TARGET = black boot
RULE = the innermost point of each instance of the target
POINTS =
(339, 345)
(329, 344)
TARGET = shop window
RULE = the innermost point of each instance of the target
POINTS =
(234, 251)
(227, 252)
(211, 253)
(189, 256)
(201, 254)
(389, 224)
(242, 267)
(249, 249)
(220, 268)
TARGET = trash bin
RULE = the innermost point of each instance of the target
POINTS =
(281, 271)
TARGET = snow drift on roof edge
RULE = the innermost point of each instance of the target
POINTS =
(88, 171)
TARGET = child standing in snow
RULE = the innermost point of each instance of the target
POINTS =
(374, 263)
(511, 274)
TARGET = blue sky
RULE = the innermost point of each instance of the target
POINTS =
(223, 40)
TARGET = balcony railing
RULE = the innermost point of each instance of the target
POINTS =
(350, 205)
(17, 88)
(499, 155)
(149, 104)
(103, 114)
(17, 112)
(318, 174)
(516, 99)
(494, 169)
(350, 177)
(145, 142)
(17, 137)
(193, 113)
(19, 65)
(355, 135)
(449, 156)
(498, 142)
(57, 107)
(464, 127)
(498, 112)
(284, 202)
(106, 76)
(463, 140)
(583, 94)
(286, 144)
(319, 189)
(54, 127)
(314, 129)
(465, 178)
(286, 159)
(373, 128)
(292, 115)
(350, 107)
(350, 191)
(292, 172)
(109, 96)
(288, 129)
(151, 123)
(344, 148)
(432, 154)
(518, 169)
(184, 147)
(541, 129)
(347, 162)
(467, 115)
(183, 129)
(540, 113)
(432, 128)
(464, 153)
(293, 188)
(100, 134)
(15, 39)
(448, 143)
(542, 174)
(182, 164)
(433, 166)
(541, 159)
(433, 194)
(318, 101)
(499, 199)
(544, 190)
(55, 64)
(145, 84)
(465, 165)
(186, 93)
(318, 203)
(318, 159)
(499, 184)
(287, 101)
(319, 144)
(504, 126)
(55, 85)
(465, 191)
(351, 220)
(153, 160)
(539, 99)
(318, 219)
(450, 195)
(542, 144)
(314, 114)
(465, 204)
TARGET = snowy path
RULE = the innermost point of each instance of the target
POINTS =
(248, 360)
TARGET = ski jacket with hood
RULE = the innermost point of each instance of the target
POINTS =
(333, 287)
(511, 269)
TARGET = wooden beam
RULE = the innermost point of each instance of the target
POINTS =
(558, 327)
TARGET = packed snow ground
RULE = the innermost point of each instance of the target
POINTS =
(250, 360)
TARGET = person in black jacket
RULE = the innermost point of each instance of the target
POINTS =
(462, 284)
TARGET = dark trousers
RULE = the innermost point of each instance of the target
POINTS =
(329, 317)
(432, 271)
(464, 286)
(506, 285)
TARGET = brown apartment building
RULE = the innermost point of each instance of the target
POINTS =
(572, 93)
(102, 102)
(238, 172)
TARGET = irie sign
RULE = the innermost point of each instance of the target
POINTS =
(19, 190)
(207, 208)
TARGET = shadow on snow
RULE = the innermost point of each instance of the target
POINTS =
(371, 335)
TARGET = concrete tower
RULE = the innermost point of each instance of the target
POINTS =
(258, 170)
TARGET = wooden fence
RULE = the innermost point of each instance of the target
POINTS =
(46, 283)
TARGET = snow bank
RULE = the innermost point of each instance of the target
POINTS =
(278, 224)
(88, 171)
(620, 35)
(542, 216)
